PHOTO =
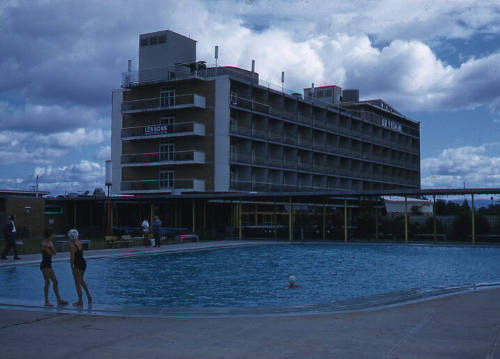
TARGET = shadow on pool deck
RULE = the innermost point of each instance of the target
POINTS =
(463, 325)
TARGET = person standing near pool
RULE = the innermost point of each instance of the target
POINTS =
(157, 231)
(145, 232)
(78, 266)
(10, 238)
(48, 250)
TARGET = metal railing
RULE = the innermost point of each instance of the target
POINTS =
(190, 156)
(338, 170)
(162, 129)
(292, 139)
(248, 185)
(185, 184)
(301, 118)
(165, 102)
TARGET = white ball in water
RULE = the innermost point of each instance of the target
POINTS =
(72, 234)
(291, 279)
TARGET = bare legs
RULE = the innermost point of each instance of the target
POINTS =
(79, 283)
(48, 275)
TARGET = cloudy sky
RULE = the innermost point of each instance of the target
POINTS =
(436, 61)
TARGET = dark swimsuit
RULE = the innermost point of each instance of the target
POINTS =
(79, 261)
(46, 260)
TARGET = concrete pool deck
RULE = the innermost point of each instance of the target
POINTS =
(465, 325)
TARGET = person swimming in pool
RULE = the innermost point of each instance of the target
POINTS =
(48, 250)
(291, 282)
(78, 266)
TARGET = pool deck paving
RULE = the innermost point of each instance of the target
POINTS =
(464, 325)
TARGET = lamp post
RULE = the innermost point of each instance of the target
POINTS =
(109, 183)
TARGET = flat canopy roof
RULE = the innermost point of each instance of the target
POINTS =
(324, 196)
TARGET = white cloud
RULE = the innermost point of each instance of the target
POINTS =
(35, 148)
(47, 118)
(56, 91)
(407, 74)
(103, 154)
(464, 166)
(85, 175)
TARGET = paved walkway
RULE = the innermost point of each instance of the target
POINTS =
(458, 326)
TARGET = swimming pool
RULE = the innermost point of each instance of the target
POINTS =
(330, 276)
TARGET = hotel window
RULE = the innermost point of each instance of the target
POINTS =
(144, 42)
(166, 152)
(162, 39)
(233, 124)
(153, 40)
(167, 179)
(234, 98)
(169, 121)
(167, 98)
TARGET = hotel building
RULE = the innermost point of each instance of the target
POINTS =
(180, 126)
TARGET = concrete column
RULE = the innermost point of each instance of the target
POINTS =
(111, 219)
(324, 221)
(205, 215)
(406, 220)
(434, 216)
(275, 224)
(74, 214)
(116, 213)
(345, 220)
(290, 220)
(239, 221)
(194, 217)
(473, 214)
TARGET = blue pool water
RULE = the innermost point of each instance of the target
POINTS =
(258, 276)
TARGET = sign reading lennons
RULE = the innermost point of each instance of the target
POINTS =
(393, 125)
(155, 129)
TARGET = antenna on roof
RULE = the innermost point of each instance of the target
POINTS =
(282, 79)
(253, 69)
(216, 58)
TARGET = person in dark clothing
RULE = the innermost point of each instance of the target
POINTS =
(48, 250)
(10, 238)
(157, 231)
(78, 266)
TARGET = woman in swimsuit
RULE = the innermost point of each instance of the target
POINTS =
(48, 250)
(78, 266)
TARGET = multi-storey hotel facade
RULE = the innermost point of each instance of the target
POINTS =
(179, 126)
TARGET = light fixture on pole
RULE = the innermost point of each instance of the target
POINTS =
(109, 183)
(216, 58)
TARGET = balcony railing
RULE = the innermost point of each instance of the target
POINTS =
(260, 186)
(164, 103)
(163, 158)
(296, 164)
(175, 185)
(304, 118)
(188, 71)
(177, 129)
